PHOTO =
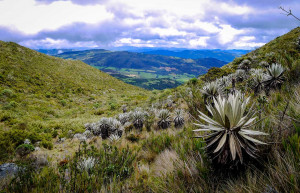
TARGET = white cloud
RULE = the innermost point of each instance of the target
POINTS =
(228, 33)
(246, 42)
(57, 43)
(30, 17)
(165, 32)
(200, 42)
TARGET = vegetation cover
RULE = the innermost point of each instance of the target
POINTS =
(247, 138)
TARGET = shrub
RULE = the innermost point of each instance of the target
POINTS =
(24, 149)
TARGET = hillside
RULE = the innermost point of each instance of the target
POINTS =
(144, 70)
(45, 94)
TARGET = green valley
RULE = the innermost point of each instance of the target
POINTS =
(144, 70)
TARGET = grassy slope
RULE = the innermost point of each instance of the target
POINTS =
(40, 92)
(283, 50)
(277, 50)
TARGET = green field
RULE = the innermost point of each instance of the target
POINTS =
(148, 79)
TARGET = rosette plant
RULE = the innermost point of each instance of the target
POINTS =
(245, 65)
(138, 119)
(164, 119)
(258, 80)
(211, 90)
(124, 118)
(231, 138)
(275, 77)
(179, 118)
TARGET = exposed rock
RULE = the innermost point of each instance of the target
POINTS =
(8, 169)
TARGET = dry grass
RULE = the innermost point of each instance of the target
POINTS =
(165, 163)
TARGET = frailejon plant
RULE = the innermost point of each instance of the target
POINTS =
(211, 90)
(274, 78)
(124, 118)
(106, 127)
(179, 118)
(258, 77)
(245, 65)
(116, 127)
(138, 118)
(240, 75)
(225, 81)
(230, 126)
(164, 119)
(86, 164)
(264, 64)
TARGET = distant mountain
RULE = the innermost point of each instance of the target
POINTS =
(223, 55)
(145, 70)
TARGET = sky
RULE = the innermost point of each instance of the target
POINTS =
(193, 24)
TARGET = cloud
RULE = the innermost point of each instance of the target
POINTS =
(160, 23)
(79, 2)
(30, 18)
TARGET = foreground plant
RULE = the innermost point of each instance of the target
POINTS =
(230, 126)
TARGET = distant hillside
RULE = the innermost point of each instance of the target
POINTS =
(53, 52)
(144, 70)
(223, 55)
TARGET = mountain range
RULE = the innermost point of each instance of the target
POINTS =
(150, 71)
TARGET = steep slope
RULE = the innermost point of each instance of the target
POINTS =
(43, 93)
(144, 70)
(284, 50)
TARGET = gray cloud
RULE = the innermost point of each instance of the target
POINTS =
(265, 24)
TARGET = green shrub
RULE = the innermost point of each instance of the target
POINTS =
(10, 105)
(7, 93)
(54, 133)
(133, 138)
(24, 149)
(63, 102)
(46, 144)
(158, 143)
(214, 73)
